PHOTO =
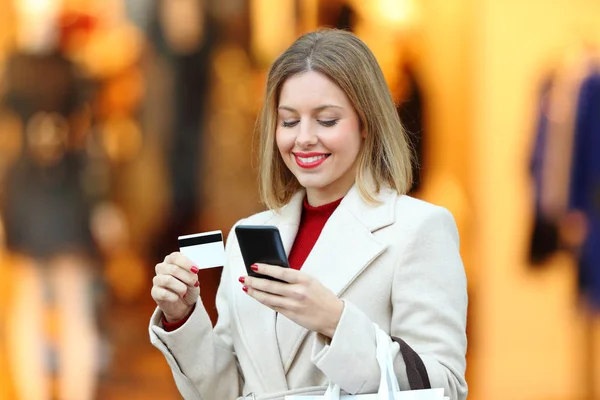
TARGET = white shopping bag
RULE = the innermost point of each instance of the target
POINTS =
(388, 385)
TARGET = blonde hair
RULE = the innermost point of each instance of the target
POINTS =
(385, 156)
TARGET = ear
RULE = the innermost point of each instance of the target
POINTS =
(363, 134)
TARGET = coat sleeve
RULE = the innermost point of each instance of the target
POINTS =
(429, 304)
(202, 359)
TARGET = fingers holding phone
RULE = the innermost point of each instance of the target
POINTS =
(175, 286)
(261, 244)
(278, 274)
(297, 295)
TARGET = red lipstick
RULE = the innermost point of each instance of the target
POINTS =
(310, 160)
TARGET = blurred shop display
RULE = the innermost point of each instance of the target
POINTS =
(52, 318)
(108, 48)
(566, 173)
(70, 90)
(181, 38)
(566, 169)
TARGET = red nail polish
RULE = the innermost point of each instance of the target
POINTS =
(195, 270)
(242, 279)
(245, 289)
(197, 284)
(254, 267)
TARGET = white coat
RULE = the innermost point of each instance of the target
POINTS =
(396, 264)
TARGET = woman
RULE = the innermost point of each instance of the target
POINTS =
(334, 170)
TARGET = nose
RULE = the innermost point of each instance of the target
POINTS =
(306, 136)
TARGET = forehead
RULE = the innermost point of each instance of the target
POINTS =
(311, 89)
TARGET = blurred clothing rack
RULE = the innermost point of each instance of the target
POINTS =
(566, 174)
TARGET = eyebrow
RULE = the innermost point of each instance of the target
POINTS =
(320, 108)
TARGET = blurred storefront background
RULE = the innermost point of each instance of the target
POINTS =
(126, 123)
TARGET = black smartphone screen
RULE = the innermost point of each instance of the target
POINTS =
(261, 244)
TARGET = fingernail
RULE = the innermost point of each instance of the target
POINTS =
(242, 279)
(245, 289)
(254, 267)
(197, 284)
(195, 270)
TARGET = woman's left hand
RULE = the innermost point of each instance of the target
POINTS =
(303, 299)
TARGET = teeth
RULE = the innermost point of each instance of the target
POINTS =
(308, 160)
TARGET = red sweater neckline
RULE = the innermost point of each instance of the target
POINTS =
(312, 222)
(328, 208)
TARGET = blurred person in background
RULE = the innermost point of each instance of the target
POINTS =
(335, 166)
(47, 209)
(181, 35)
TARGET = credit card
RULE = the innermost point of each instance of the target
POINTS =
(205, 249)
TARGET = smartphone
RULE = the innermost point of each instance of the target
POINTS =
(261, 244)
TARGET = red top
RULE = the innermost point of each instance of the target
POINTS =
(312, 221)
(311, 224)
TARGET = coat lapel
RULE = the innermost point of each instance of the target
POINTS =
(344, 249)
(287, 220)
(259, 321)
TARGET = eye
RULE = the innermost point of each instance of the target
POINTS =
(290, 124)
(329, 123)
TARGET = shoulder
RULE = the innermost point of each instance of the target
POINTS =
(260, 218)
(411, 207)
(416, 214)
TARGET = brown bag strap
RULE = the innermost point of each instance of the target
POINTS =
(415, 369)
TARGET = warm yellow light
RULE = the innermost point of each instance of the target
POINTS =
(273, 28)
(397, 11)
(37, 28)
(37, 7)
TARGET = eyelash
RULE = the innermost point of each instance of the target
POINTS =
(327, 124)
(330, 123)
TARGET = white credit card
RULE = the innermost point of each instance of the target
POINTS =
(205, 249)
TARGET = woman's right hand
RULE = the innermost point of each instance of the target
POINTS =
(175, 287)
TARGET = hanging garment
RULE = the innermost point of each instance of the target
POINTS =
(544, 235)
(410, 110)
(553, 156)
(585, 185)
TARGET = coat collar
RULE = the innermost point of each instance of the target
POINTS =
(372, 217)
(344, 249)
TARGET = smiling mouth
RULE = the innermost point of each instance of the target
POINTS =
(311, 161)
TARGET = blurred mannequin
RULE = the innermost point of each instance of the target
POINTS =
(183, 24)
(182, 35)
(46, 213)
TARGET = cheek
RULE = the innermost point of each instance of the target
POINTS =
(345, 141)
(284, 142)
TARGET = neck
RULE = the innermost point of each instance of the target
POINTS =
(316, 197)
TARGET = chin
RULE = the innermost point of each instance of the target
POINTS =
(312, 183)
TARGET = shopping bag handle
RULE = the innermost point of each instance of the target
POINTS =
(388, 385)
(415, 368)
